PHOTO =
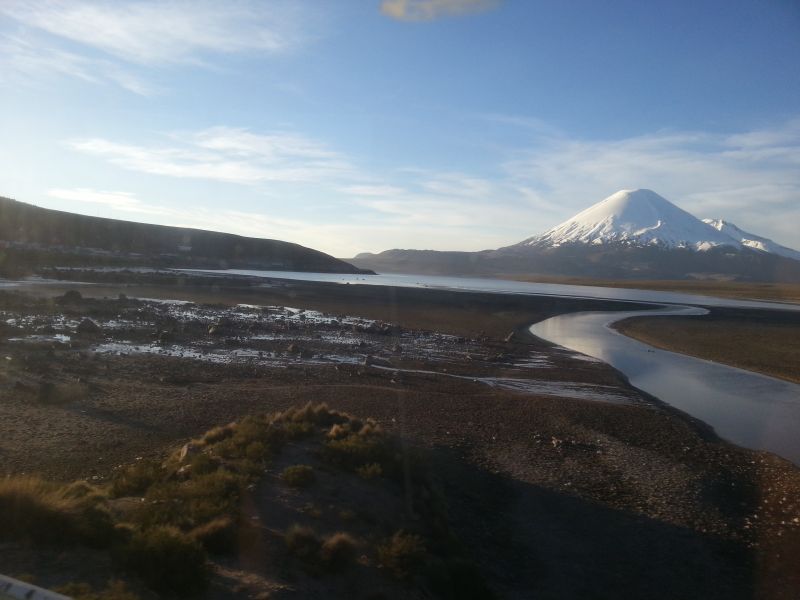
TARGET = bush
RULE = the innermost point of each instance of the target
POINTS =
(355, 450)
(298, 476)
(302, 542)
(203, 464)
(369, 471)
(136, 479)
(218, 434)
(338, 550)
(401, 553)
(33, 509)
(167, 561)
(191, 503)
(219, 536)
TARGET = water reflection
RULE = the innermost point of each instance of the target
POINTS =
(503, 286)
(746, 408)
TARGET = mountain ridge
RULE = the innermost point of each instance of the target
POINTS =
(628, 235)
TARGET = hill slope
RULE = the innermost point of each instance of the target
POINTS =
(26, 230)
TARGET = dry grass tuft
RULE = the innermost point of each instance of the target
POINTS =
(33, 509)
(402, 554)
(302, 542)
(338, 550)
(298, 476)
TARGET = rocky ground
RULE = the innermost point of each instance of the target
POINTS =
(563, 480)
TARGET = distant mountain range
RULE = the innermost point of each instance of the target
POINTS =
(630, 234)
(34, 236)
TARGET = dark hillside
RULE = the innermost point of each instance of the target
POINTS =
(611, 261)
(38, 235)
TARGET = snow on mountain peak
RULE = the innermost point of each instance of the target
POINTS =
(751, 240)
(637, 217)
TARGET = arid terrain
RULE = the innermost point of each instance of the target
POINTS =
(560, 480)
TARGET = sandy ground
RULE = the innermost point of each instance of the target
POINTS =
(557, 495)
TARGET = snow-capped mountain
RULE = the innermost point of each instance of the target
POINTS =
(638, 218)
(633, 234)
(751, 240)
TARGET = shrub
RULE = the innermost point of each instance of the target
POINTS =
(219, 536)
(135, 479)
(355, 450)
(401, 553)
(217, 434)
(369, 471)
(255, 452)
(302, 542)
(191, 503)
(31, 508)
(203, 464)
(298, 476)
(338, 550)
(167, 561)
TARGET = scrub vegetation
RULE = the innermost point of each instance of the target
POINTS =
(167, 524)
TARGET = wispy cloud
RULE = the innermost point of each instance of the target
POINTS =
(226, 154)
(107, 42)
(24, 60)
(428, 10)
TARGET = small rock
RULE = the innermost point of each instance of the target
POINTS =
(188, 451)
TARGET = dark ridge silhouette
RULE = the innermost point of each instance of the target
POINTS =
(606, 261)
(39, 236)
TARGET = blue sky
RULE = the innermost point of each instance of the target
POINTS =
(363, 125)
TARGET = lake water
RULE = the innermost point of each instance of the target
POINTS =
(502, 286)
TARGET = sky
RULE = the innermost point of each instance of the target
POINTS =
(365, 125)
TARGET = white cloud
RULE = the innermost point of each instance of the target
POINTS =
(23, 60)
(108, 41)
(173, 31)
(428, 10)
(226, 154)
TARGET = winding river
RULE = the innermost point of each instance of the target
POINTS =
(746, 408)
